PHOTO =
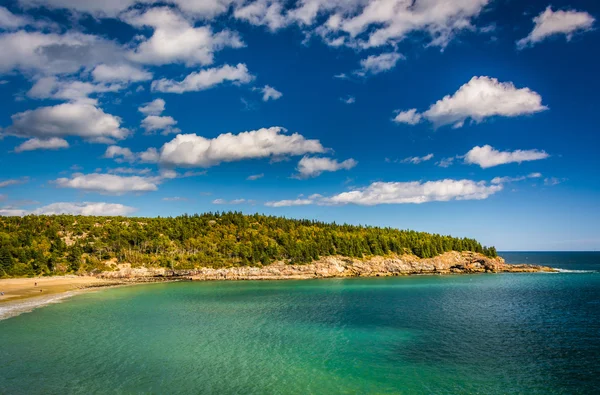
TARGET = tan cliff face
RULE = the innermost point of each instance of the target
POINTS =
(337, 266)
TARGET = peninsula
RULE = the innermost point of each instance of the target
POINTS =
(67, 252)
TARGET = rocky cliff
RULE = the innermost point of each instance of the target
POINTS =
(337, 266)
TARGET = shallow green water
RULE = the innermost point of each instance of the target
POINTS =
(487, 334)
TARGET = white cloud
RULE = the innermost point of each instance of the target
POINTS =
(151, 155)
(175, 199)
(10, 21)
(446, 162)
(52, 143)
(487, 156)
(550, 23)
(234, 201)
(263, 13)
(410, 117)
(480, 98)
(155, 107)
(176, 40)
(85, 208)
(415, 160)
(12, 212)
(165, 124)
(205, 79)
(111, 8)
(120, 73)
(348, 99)
(119, 154)
(108, 183)
(376, 64)
(270, 93)
(383, 22)
(288, 203)
(255, 177)
(129, 170)
(416, 192)
(13, 181)
(313, 167)
(402, 193)
(52, 54)
(505, 180)
(68, 119)
(552, 181)
(53, 88)
(197, 151)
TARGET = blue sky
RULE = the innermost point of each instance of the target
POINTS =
(473, 118)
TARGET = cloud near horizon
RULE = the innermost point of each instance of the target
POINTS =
(415, 192)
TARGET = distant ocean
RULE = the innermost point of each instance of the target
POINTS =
(462, 334)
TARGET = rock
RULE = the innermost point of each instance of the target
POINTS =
(338, 266)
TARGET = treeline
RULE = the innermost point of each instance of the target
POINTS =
(49, 245)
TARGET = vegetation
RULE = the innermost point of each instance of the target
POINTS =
(49, 245)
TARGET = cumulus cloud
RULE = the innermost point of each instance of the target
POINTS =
(384, 22)
(415, 192)
(10, 21)
(52, 143)
(176, 40)
(112, 8)
(85, 208)
(415, 160)
(487, 156)
(164, 124)
(51, 54)
(552, 23)
(120, 154)
(196, 151)
(80, 119)
(108, 183)
(205, 79)
(270, 93)
(376, 64)
(53, 88)
(155, 107)
(478, 99)
(312, 167)
(506, 180)
(120, 73)
(411, 117)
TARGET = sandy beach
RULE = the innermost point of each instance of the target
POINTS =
(24, 288)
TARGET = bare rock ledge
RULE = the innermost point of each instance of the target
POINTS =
(338, 266)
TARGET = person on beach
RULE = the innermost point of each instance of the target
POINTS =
(35, 285)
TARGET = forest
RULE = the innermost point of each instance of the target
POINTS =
(63, 244)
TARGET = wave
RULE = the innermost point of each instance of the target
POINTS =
(11, 309)
(575, 271)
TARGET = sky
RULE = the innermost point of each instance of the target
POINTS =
(474, 118)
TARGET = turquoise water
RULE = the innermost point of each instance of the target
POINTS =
(486, 334)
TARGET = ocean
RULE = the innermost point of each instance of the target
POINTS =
(458, 334)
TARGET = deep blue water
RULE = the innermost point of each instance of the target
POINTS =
(462, 334)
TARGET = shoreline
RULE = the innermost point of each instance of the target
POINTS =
(21, 294)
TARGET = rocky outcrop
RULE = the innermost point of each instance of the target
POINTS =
(338, 266)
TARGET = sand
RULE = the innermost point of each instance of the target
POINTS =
(25, 288)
